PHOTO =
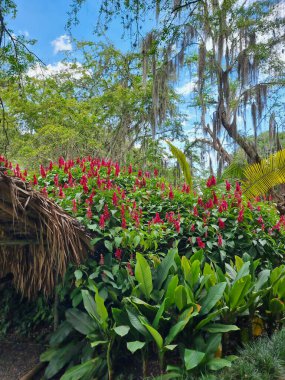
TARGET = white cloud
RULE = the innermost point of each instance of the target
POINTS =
(186, 89)
(41, 72)
(61, 43)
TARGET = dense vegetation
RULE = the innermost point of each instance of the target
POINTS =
(175, 277)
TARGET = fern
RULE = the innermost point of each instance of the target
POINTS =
(261, 177)
(181, 158)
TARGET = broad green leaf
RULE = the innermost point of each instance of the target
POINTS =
(155, 334)
(122, 330)
(78, 274)
(214, 295)
(62, 357)
(209, 318)
(60, 334)
(134, 346)
(244, 271)
(180, 297)
(238, 291)
(170, 347)
(143, 275)
(89, 303)
(262, 279)
(186, 269)
(164, 267)
(79, 371)
(195, 272)
(135, 321)
(159, 314)
(180, 325)
(80, 321)
(192, 358)
(220, 328)
(169, 296)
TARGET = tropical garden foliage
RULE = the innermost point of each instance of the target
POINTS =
(177, 277)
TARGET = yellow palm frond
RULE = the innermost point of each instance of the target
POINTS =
(261, 177)
(181, 158)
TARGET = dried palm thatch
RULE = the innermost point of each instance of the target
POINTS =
(37, 238)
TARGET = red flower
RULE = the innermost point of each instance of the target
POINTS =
(157, 219)
(211, 181)
(140, 173)
(220, 240)
(124, 223)
(200, 243)
(221, 224)
(61, 193)
(74, 205)
(118, 254)
(240, 216)
(102, 222)
(130, 169)
(228, 186)
(106, 212)
(129, 269)
(193, 228)
(42, 171)
(195, 211)
(238, 188)
(115, 199)
(35, 181)
(170, 195)
(89, 213)
(155, 172)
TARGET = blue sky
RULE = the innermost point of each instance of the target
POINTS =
(45, 21)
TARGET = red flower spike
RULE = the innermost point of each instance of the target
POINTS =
(102, 222)
(35, 180)
(200, 243)
(220, 240)
(118, 254)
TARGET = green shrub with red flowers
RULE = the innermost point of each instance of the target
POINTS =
(175, 273)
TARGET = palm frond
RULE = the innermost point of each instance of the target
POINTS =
(261, 177)
(184, 165)
(234, 171)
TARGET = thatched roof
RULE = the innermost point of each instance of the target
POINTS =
(37, 238)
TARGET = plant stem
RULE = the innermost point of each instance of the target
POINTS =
(109, 360)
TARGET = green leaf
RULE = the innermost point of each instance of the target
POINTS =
(192, 358)
(180, 297)
(220, 328)
(89, 303)
(109, 245)
(164, 267)
(78, 274)
(143, 275)
(169, 296)
(182, 160)
(215, 293)
(218, 363)
(79, 371)
(155, 334)
(134, 346)
(209, 318)
(238, 291)
(62, 357)
(135, 321)
(98, 343)
(122, 330)
(60, 334)
(159, 314)
(80, 321)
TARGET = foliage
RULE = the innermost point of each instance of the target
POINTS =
(173, 275)
(263, 176)
(181, 158)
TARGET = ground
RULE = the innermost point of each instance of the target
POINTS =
(18, 356)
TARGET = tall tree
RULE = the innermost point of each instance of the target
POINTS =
(232, 48)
